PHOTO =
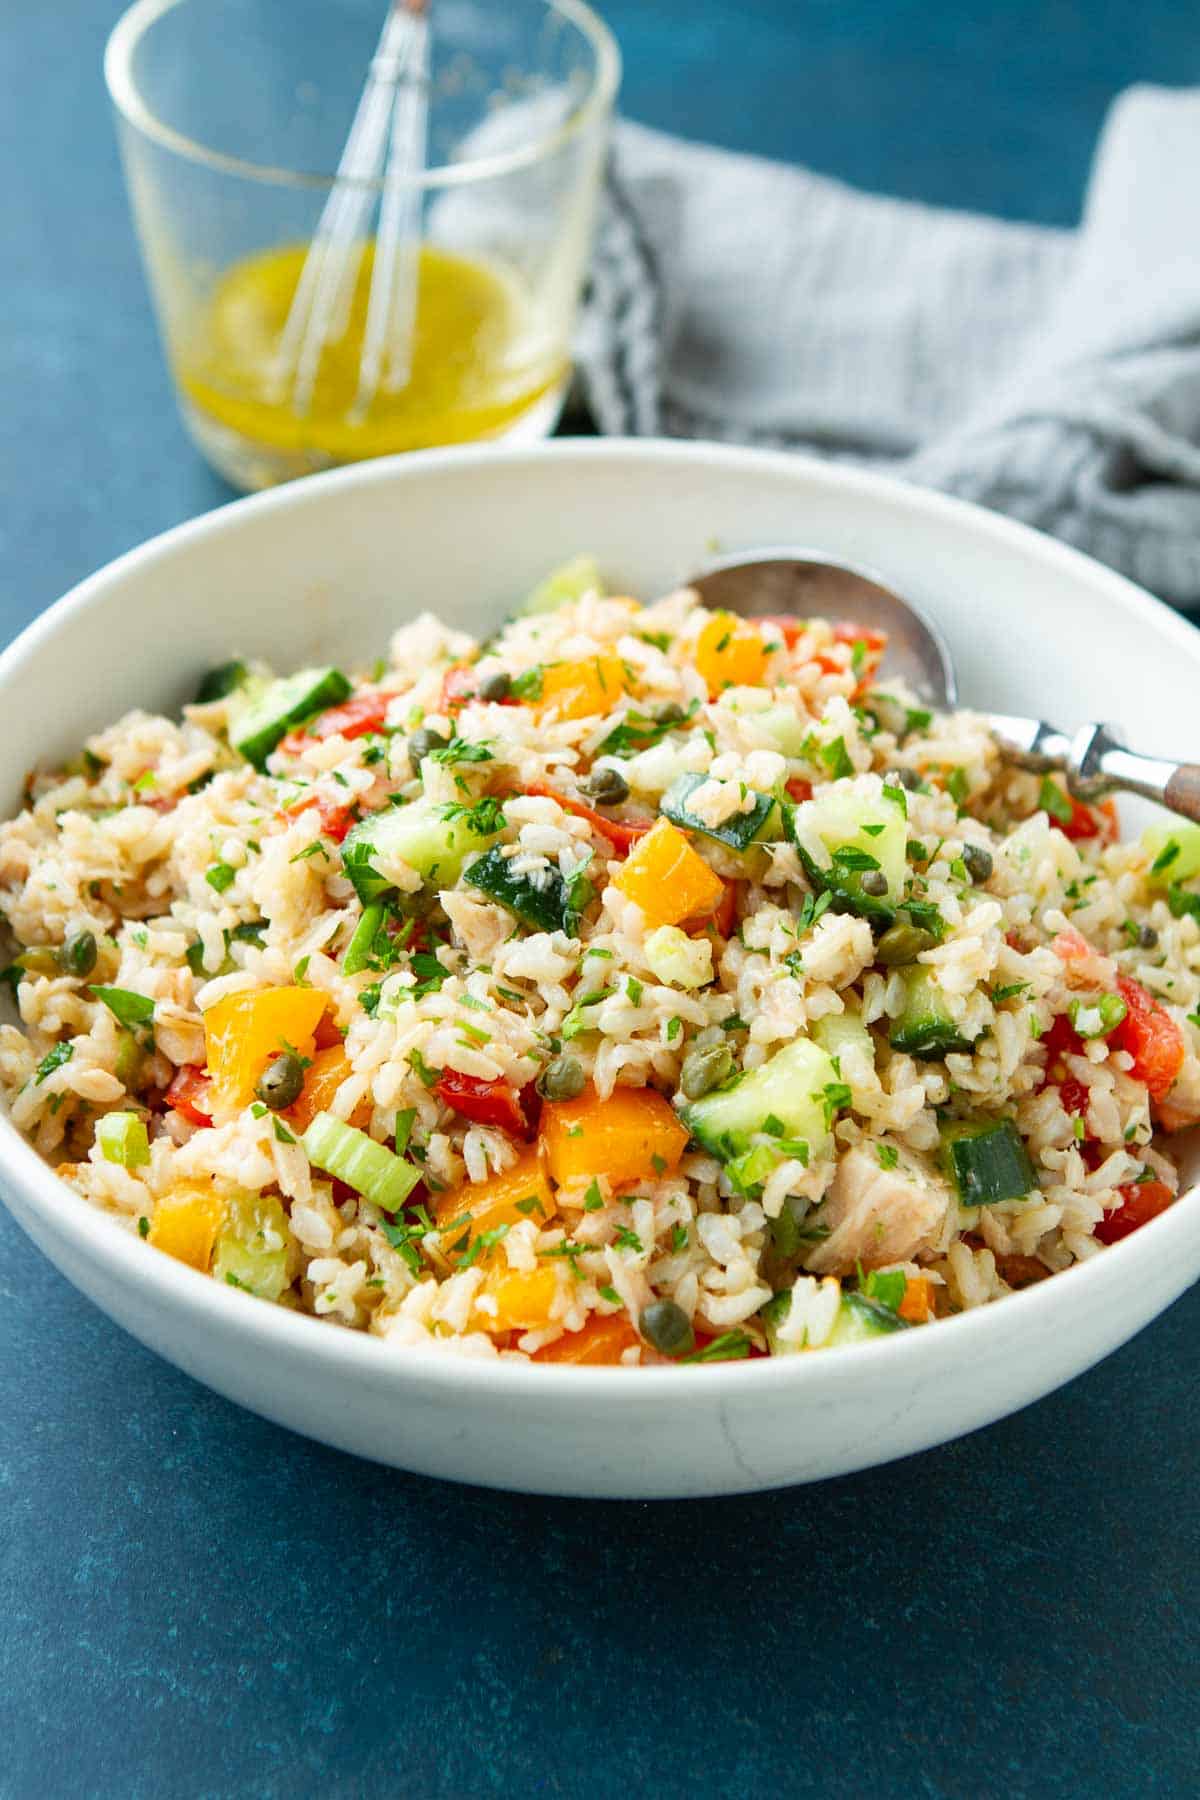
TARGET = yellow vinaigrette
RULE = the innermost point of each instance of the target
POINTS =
(477, 362)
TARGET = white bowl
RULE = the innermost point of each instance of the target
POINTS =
(324, 569)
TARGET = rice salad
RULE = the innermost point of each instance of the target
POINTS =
(639, 984)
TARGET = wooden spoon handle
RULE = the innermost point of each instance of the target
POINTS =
(1100, 764)
(1182, 792)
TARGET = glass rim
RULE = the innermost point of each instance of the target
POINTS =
(126, 97)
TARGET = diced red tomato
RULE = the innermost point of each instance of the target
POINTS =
(1062, 1039)
(336, 820)
(798, 788)
(326, 1034)
(188, 1094)
(721, 919)
(352, 719)
(620, 833)
(1090, 821)
(789, 627)
(485, 1102)
(845, 631)
(1151, 1037)
(458, 685)
(1141, 1201)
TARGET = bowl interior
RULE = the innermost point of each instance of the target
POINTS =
(324, 570)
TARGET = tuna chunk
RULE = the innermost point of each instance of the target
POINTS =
(1181, 1107)
(876, 1216)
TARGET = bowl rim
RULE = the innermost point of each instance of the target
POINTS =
(98, 1239)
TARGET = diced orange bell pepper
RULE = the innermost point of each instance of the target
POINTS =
(917, 1303)
(574, 690)
(632, 1136)
(185, 1224)
(322, 1079)
(730, 652)
(667, 878)
(523, 1298)
(603, 1340)
(521, 1192)
(244, 1031)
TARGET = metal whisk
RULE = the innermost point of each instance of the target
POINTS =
(388, 134)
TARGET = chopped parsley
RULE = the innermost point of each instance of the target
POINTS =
(461, 750)
(1052, 800)
(126, 1007)
(731, 1346)
(53, 1059)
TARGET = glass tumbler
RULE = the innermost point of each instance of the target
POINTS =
(233, 117)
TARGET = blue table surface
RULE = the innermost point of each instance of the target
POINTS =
(196, 1602)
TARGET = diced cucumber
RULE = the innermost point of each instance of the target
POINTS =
(677, 959)
(858, 1319)
(737, 832)
(222, 680)
(788, 1091)
(421, 835)
(925, 1028)
(839, 1033)
(351, 1156)
(1173, 850)
(570, 581)
(861, 1318)
(131, 1060)
(848, 831)
(772, 1316)
(269, 711)
(987, 1161)
(251, 1251)
(539, 899)
(786, 729)
(122, 1139)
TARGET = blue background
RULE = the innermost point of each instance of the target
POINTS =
(195, 1602)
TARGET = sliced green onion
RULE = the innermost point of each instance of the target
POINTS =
(1096, 1018)
(358, 951)
(122, 1139)
(351, 1156)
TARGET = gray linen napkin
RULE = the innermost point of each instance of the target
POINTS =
(1052, 375)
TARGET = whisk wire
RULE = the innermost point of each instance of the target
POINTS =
(389, 123)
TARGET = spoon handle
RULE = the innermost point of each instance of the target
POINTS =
(1099, 764)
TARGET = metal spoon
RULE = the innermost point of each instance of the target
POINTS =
(805, 584)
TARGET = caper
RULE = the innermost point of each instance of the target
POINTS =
(607, 787)
(281, 1081)
(78, 954)
(978, 862)
(561, 1079)
(902, 944)
(670, 714)
(40, 959)
(422, 743)
(1147, 937)
(874, 882)
(705, 1069)
(497, 686)
(908, 778)
(667, 1328)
